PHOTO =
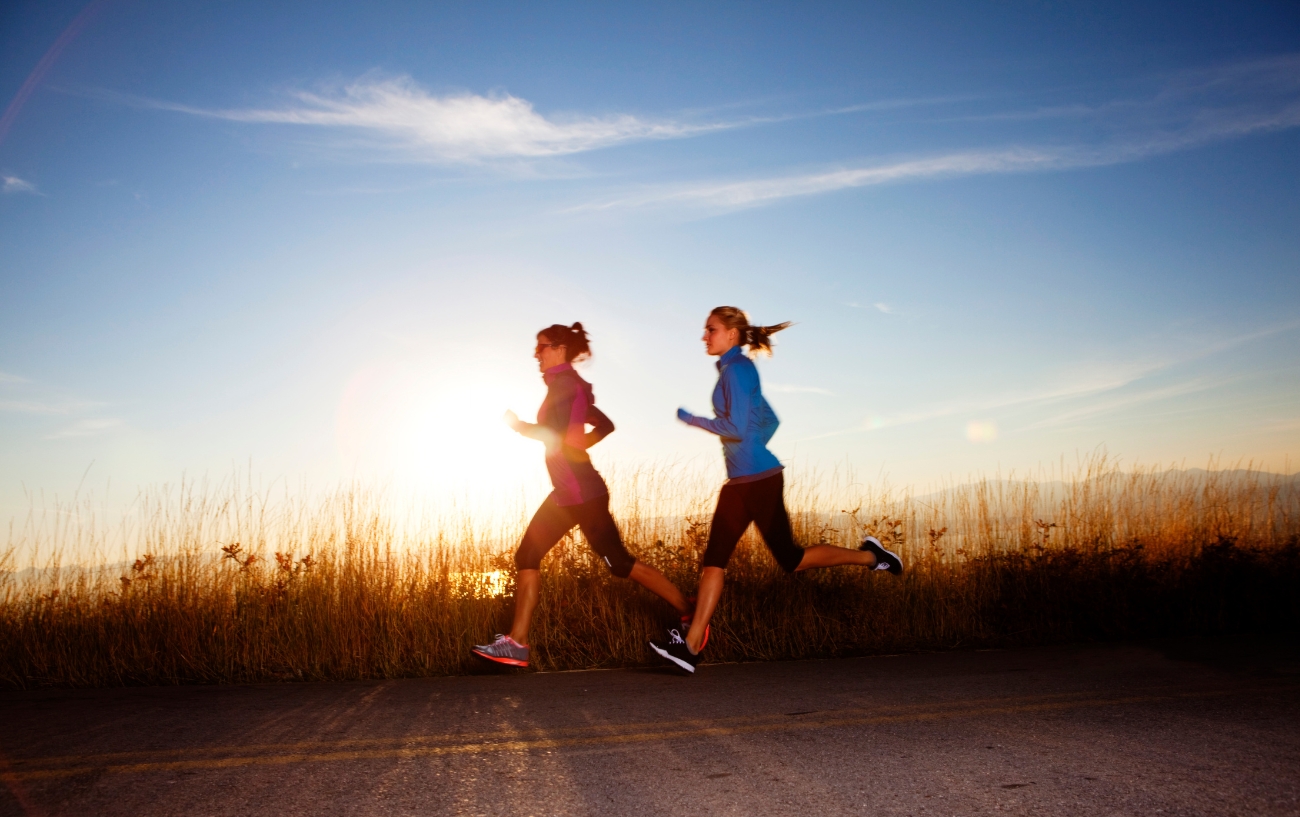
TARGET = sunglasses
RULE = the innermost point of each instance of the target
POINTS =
(542, 346)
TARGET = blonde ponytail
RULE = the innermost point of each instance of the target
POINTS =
(757, 338)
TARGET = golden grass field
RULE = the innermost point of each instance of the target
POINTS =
(226, 585)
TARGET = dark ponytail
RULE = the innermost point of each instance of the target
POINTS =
(574, 339)
(757, 338)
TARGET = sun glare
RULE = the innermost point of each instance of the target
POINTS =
(437, 432)
(981, 431)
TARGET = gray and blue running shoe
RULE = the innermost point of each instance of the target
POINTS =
(505, 650)
(885, 559)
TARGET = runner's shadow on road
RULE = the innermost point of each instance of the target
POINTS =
(481, 666)
(658, 671)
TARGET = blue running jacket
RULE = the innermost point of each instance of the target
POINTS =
(745, 421)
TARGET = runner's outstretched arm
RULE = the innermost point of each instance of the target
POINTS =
(736, 412)
(533, 431)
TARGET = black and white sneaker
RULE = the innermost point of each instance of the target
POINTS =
(676, 652)
(885, 559)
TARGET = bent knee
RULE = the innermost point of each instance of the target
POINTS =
(790, 561)
(619, 567)
(527, 558)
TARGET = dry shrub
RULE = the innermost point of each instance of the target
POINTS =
(230, 587)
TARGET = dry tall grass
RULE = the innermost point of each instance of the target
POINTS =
(223, 587)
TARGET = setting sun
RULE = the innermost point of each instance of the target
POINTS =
(437, 429)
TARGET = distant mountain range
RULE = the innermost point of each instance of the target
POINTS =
(1288, 485)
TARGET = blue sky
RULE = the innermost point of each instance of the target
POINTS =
(315, 241)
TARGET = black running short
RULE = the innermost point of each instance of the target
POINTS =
(552, 522)
(763, 503)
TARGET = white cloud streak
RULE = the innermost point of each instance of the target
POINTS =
(1194, 109)
(756, 192)
(47, 405)
(415, 125)
(86, 428)
(1081, 386)
(1120, 402)
(67, 409)
(1086, 385)
(1291, 424)
(33, 407)
(13, 184)
(453, 128)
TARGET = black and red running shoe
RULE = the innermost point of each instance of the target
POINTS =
(675, 652)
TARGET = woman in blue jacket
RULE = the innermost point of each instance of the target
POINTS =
(580, 498)
(754, 491)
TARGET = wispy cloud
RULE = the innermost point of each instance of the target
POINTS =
(896, 104)
(1193, 109)
(1119, 402)
(1247, 89)
(70, 410)
(412, 124)
(13, 184)
(1082, 383)
(878, 306)
(460, 127)
(1224, 344)
(755, 192)
(43, 406)
(86, 428)
(1286, 424)
(34, 407)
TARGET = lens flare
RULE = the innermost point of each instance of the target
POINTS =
(981, 431)
(438, 430)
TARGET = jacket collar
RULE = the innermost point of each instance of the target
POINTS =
(730, 356)
(555, 371)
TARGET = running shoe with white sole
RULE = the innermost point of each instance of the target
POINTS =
(505, 650)
(885, 559)
(676, 652)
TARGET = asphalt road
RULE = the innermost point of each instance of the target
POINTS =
(1174, 728)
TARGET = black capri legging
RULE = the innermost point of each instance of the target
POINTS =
(552, 522)
(763, 503)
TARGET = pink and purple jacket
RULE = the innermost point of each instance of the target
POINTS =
(562, 420)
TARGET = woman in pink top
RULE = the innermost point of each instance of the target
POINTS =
(580, 498)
